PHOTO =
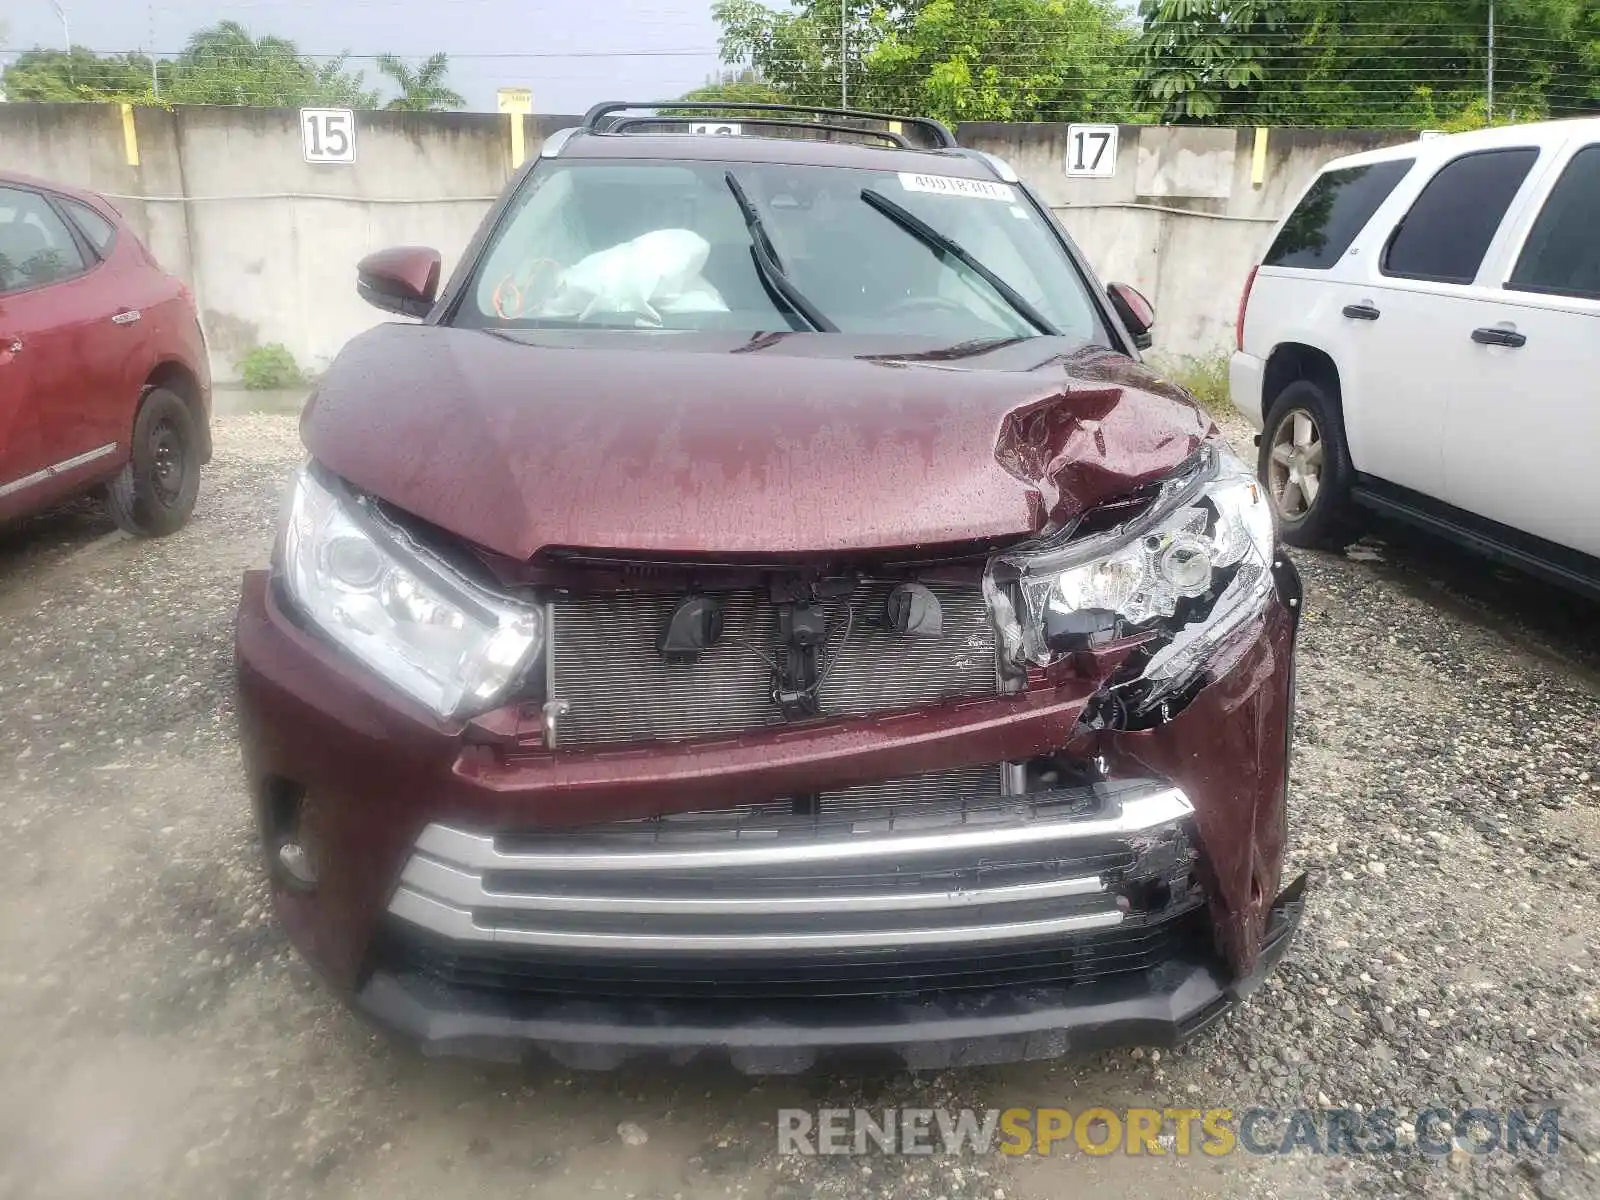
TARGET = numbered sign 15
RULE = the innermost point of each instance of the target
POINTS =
(328, 135)
(1092, 151)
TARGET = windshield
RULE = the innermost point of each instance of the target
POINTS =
(668, 245)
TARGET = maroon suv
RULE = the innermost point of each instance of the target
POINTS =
(765, 607)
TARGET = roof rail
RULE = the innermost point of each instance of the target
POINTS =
(943, 139)
(887, 135)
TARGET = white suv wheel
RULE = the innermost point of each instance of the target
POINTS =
(1294, 473)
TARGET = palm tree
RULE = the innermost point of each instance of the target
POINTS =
(421, 90)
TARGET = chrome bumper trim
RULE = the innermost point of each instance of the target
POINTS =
(1019, 873)
(1136, 814)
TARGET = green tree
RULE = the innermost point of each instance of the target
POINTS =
(733, 91)
(1008, 60)
(1365, 62)
(421, 90)
(797, 52)
(1202, 60)
(961, 60)
(224, 64)
(59, 76)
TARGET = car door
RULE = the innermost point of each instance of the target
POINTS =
(1525, 418)
(67, 364)
(1418, 283)
(39, 338)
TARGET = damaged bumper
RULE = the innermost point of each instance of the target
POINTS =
(1159, 1007)
(489, 901)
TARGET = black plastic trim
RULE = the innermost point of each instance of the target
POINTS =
(1547, 560)
(1162, 1007)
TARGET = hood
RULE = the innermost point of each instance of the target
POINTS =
(684, 444)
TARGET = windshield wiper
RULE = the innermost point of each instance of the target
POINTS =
(943, 244)
(778, 285)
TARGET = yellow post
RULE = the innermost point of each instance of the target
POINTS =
(1258, 168)
(130, 135)
(516, 103)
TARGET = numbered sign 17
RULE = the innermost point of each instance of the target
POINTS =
(328, 135)
(1092, 151)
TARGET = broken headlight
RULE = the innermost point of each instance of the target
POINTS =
(1184, 575)
(398, 607)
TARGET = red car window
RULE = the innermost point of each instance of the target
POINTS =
(99, 231)
(36, 246)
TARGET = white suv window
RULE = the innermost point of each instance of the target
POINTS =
(1332, 213)
(1562, 255)
(1448, 230)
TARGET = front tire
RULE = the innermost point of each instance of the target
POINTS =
(1305, 465)
(155, 493)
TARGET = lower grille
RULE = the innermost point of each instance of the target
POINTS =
(507, 972)
(1058, 887)
(606, 667)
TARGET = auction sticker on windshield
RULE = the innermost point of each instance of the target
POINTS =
(945, 185)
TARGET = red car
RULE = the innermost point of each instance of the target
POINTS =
(104, 382)
(766, 608)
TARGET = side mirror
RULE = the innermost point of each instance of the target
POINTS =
(403, 279)
(1137, 313)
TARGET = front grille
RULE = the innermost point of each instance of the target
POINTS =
(619, 688)
(407, 950)
(960, 893)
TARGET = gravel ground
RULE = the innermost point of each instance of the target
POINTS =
(158, 1038)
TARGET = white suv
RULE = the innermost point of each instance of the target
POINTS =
(1423, 339)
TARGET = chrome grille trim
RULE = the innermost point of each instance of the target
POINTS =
(453, 885)
(1046, 871)
(461, 924)
(1135, 814)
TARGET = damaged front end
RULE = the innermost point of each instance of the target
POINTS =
(967, 804)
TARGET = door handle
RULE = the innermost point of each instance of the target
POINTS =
(1495, 336)
(1361, 312)
(126, 317)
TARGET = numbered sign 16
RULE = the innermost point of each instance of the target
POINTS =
(1092, 151)
(718, 128)
(328, 135)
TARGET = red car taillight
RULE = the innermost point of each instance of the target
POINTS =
(1244, 303)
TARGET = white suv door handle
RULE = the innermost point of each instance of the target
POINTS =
(1496, 335)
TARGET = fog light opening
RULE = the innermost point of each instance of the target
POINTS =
(289, 855)
(296, 864)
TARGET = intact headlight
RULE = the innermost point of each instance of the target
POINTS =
(401, 610)
(1184, 575)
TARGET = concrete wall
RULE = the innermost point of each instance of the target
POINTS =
(269, 242)
(1182, 219)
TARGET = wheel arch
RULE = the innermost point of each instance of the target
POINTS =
(1293, 361)
(182, 382)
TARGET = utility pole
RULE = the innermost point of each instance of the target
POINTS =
(844, 50)
(1491, 62)
(155, 80)
(66, 32)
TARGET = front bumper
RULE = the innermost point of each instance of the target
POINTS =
(370, 775)
(1163, 1007)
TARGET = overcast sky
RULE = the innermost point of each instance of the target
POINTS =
(570, 52)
